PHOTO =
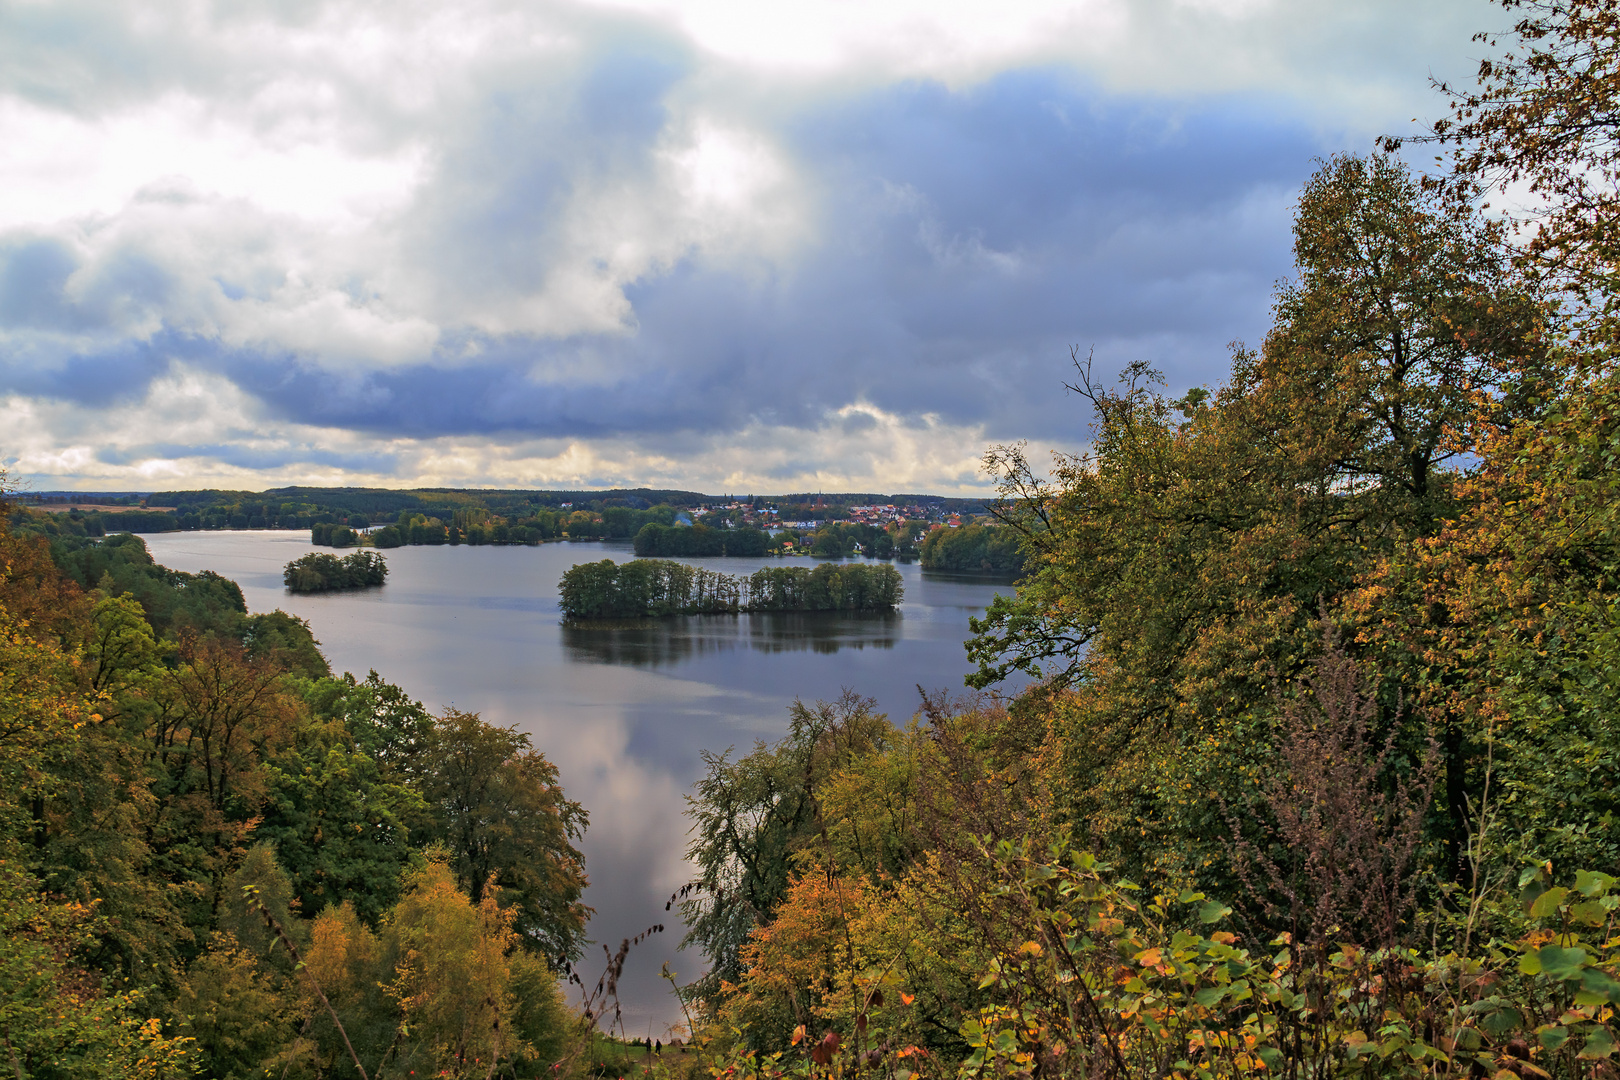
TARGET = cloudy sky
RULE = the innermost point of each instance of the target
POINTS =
(730, 245)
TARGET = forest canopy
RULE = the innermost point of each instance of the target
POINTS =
(218, 859)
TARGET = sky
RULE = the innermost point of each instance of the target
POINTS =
(748, 246)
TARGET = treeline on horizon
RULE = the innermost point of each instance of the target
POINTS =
(691, 541)
(218, 859)
(360, 508)
(654, 588)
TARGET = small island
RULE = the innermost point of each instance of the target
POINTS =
(643, 588)
(317, 572)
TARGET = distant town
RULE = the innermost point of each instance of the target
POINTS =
(659, 523)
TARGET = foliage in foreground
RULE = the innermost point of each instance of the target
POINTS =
(216, 858)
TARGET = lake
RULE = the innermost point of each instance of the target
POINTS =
(623, 711)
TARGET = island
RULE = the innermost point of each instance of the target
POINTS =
(974, 548)
(319, 572)
(643, 588)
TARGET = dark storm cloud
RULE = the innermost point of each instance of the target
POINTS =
(962, 241)
(966, 239)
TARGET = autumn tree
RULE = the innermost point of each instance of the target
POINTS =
(1542, 121)
(510, 829)
(444, 988)
(1404, 316)
(1179, 568)
(750, 816)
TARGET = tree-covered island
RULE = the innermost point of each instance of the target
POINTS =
(318, 572)
(657, 587)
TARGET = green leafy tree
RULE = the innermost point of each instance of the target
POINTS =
(1178, 570)
(95, 846)
(509, 829)
(340, 827)
(289, 639)
(387, 724)
(749, 818)
(238, 1010)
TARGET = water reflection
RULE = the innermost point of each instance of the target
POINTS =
(655, 643)
(624, 710)
(969, 578)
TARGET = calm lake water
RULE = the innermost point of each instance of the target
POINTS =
(624, 711)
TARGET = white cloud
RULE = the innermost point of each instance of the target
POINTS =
(143, 445)
(1335, 59)
(57, 166)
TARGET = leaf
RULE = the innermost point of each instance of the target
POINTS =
(1548, 903)
(1212, 911)
(1558, 963)
(1593, 884)
(1599, 1045)
(1597, 981)
(1589, 913)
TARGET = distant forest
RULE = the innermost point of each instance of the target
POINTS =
(473, 516)
(974, 549)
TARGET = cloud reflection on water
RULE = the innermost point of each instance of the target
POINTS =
(623, 711)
